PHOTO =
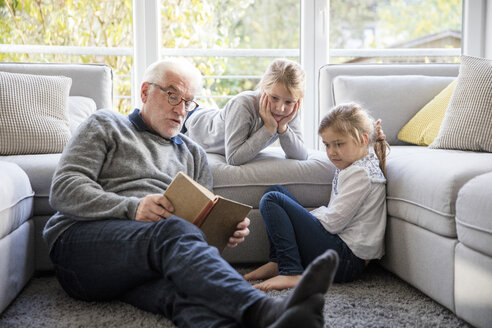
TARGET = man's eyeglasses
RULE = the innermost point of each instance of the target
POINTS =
(174, 99)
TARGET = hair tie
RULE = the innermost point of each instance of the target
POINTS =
(380, 134)
(381, 138)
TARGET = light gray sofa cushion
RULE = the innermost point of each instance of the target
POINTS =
(16, 262)
(421, 258)
(309, 181)
(473, 286)
(16, 198)
(395, 98)
(79, 109)
(474, 214)
(39, 168)
(423, 184)
(88, 80)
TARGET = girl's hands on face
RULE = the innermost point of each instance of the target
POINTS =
(282, 125)
(266, 114)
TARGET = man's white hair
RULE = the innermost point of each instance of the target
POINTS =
(157, 71)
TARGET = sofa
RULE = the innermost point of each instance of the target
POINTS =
(438, 229)
(25, 179)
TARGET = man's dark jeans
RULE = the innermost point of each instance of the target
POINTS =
(164, 267)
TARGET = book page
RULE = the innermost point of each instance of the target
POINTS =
(188, 197)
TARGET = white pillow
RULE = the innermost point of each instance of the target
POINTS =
(467, 123)
(79, 109)
(33, 113)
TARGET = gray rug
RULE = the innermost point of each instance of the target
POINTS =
(378, 299)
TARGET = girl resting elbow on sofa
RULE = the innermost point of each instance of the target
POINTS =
(253, 120)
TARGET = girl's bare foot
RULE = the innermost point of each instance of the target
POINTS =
(264, 272)
(278, 283)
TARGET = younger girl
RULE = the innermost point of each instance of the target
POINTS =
(354, 221)
(253, 120)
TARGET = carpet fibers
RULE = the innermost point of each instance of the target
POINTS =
(378, 299)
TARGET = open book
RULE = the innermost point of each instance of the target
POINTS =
(215, 215)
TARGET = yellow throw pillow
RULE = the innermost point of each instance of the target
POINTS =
(423, 128)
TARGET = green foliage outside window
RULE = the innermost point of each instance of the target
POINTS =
(212, 24)
(88, 23)
(233, 24)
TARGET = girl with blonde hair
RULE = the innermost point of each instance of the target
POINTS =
(354, 221)
(253, 120)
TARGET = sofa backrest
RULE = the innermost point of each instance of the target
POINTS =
(89, 80)
(391, 92)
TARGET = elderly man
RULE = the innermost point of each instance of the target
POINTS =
(115, 236)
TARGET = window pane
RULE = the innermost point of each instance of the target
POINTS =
(223, 26)
(395, 31)
(76, 24)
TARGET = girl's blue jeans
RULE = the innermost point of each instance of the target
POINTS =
(164, 267)
(297, 237)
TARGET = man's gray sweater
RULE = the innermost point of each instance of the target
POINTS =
(110, 164)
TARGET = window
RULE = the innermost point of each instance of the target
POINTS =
(368, 31)
(231, 42)
(71, 32)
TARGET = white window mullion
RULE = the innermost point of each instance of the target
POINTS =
(488, 30)
(314, 54)
(474, 14)
(146, 41)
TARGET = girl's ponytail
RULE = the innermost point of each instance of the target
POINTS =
(381, 147)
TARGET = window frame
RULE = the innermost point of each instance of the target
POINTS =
(313, 52)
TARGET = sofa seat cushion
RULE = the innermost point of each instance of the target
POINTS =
(423, 184)
(16, 198)
(40, 169)
(474, 214)
(309, 181)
